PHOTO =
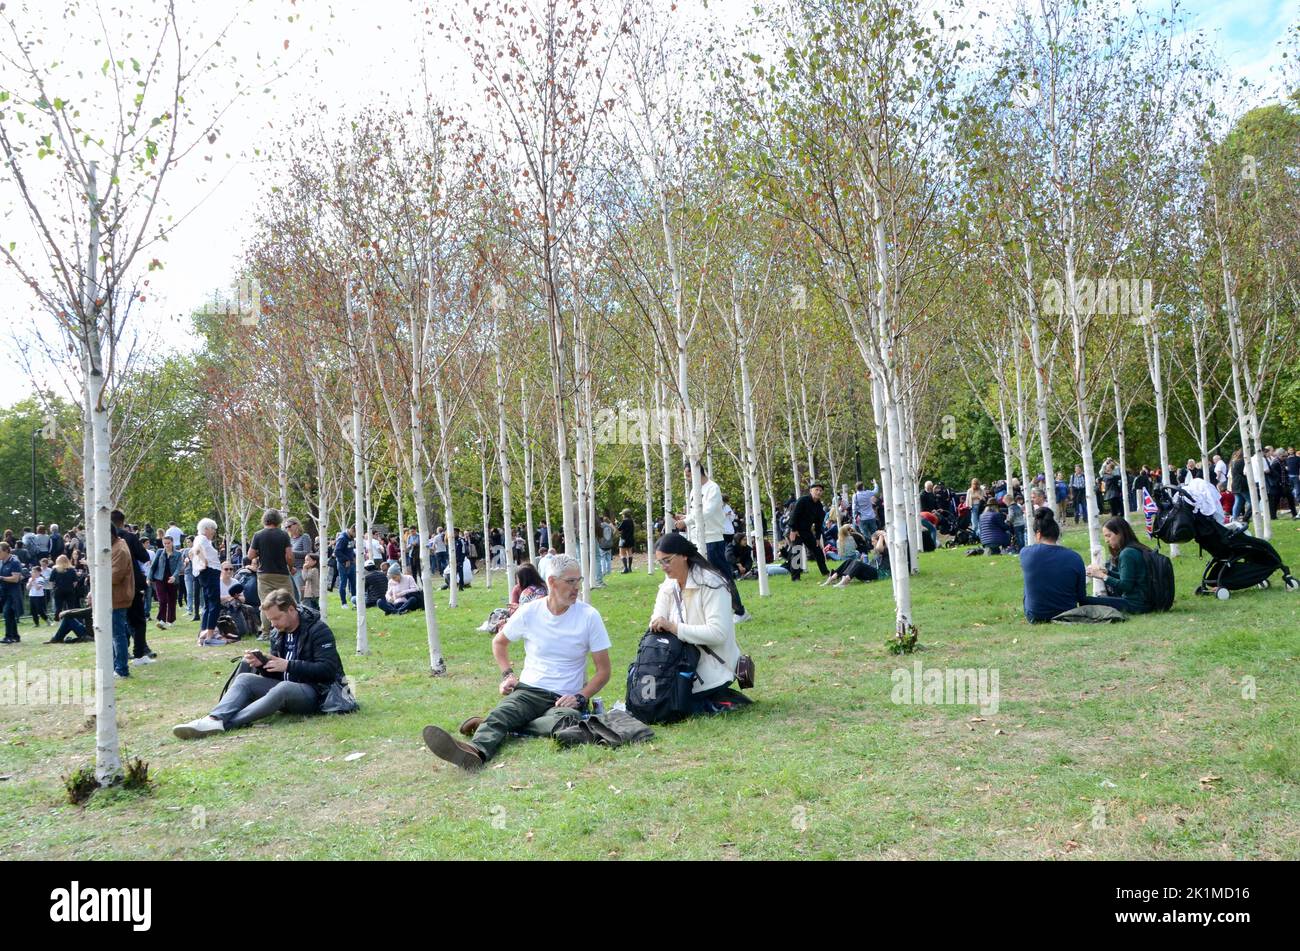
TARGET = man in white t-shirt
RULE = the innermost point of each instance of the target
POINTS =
(558, 632)
(176, 535)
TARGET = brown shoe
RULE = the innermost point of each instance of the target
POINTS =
(469, 726)
(446, 747)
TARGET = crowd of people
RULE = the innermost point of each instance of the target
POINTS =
(272, 590)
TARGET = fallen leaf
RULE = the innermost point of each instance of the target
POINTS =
(525, 786)
(1207, 782)
(1000, 732)
(528, 836)
(975, 720)
(353, 756)
(1071, 845)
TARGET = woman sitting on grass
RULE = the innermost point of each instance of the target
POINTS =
(860, 570)
(529, 586)
(402, 594)
(1125, 573)
(846, 544)
(995, 533)
(694, 603)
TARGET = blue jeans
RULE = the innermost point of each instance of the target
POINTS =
(1240, 503)
(717, 555)
(347, 580)
(866, 527)
(210, 581)
(191, 595)
(121, 635)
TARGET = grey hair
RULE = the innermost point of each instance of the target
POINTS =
(560, 564)
(204, 524)
(53, 527)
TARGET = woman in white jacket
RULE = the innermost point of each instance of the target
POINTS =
(694, 603)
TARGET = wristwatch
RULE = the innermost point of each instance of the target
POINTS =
(507, 672)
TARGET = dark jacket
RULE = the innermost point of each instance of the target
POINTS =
(376, 586)
(316, 657)
(993, 528)
(807, 519)
(344, 548)
(139, 554)
(1126, 577)
(1238, 478)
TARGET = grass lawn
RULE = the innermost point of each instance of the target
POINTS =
(1130, 740)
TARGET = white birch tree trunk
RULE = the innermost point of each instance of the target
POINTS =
(444, 491)
(528, 475)
(750, 454)
(1120, 436)
(649, 489)
(1155, 367)
(503, 463)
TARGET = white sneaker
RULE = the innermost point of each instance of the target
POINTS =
(140, 661)
(742, 618)
(200, 727)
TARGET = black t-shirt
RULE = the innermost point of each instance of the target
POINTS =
(270, 544)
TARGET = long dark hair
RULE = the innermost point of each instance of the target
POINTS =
(526, 576)
(1120, 526)
(674, 543)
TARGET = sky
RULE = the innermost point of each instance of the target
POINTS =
(350, 54)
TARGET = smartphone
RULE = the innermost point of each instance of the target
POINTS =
(262, 658)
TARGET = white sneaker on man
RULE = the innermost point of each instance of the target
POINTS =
(140, 661)
(742, 618)
(203, 726)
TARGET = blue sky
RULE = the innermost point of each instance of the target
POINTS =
(1247, 33)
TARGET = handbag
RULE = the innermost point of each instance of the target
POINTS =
(339, 698)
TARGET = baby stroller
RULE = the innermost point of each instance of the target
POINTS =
(963, 535)
(1237, 560)
(947, 521)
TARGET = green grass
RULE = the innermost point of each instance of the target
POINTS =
(1099, 748)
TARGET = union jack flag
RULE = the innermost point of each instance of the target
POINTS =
(1150, 508)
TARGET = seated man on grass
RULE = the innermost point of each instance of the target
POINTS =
(304, 662)
(1054, 575)
(558, 632)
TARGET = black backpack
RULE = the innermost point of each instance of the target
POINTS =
(661, 679)
(1174, 524)
(1160, 581)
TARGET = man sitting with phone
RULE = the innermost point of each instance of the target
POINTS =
(304, 662)
(558, 632)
